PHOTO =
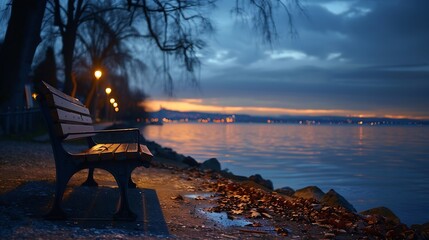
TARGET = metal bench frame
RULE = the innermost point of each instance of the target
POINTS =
(67, 118)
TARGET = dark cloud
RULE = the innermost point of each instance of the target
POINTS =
(368, 56)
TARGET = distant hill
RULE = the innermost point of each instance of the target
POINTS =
(170, 115)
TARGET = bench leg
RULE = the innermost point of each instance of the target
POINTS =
(131, 184)
(90, 182)
(124, 212)
(56, 213)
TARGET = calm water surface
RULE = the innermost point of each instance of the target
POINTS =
(370, 166)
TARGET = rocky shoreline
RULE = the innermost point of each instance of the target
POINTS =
(309, 205)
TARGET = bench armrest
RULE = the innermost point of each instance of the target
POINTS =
(110, 131)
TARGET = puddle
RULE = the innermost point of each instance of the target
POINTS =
(199, 196)
(223, 219)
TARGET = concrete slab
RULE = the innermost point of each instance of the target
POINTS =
(90, 207)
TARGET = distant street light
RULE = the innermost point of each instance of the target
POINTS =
(98, 74)
(108, 90)
(116, 109)
(112, 100)
(115, 104)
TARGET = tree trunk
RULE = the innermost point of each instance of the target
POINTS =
(16, 55)
(69, 42)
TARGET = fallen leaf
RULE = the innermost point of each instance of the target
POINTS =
(178, 197)
(237, 212)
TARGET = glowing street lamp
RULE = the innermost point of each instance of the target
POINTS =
(98, 74)
(115, 104)
(112, 100)
(108, 90)
(116, 109)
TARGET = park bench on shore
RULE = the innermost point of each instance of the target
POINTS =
(67, 119)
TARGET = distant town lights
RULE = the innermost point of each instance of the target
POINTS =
(112, 100)
(115, 104)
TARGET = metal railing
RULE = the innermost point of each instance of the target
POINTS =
(20, 120)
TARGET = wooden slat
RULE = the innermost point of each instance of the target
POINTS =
(145, 153)
(70, 117)
(132, 151)
(93, 154)
(121, 152)
(55, 101)
(108, 153)
(77, 136)
(65, 128)
(62, 95)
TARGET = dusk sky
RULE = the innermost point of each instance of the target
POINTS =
(350, 58)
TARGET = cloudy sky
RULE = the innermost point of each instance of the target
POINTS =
(353, 57)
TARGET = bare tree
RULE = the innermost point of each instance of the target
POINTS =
(68, 17)
(108, 42)
(176, 27)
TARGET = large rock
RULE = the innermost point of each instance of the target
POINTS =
(288, 191)
(382, 211)
(211, 164)
(334, 199)
(261, 181)
(309, 192)
(422, 230)
(190, 161)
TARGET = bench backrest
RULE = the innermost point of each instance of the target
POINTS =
(66, 114)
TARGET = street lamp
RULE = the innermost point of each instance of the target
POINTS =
(112, 100)
(97, 74)
(108, 90)
(115, 104)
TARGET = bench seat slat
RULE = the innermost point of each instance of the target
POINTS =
(93, 154)
(132, 151)
(121, 152)
(56, 101)
(60, 115)
(108, 153)
(145, 153)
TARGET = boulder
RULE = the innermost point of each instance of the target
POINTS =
(334, 199)
(309, 192)
(259, 180)
(382, 211)
(211, 164)
(190, 161)
(288, 191)
(167, 153)
(421, 230)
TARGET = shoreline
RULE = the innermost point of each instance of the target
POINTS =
(306, 192)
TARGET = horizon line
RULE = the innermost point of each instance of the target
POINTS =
(195, 105)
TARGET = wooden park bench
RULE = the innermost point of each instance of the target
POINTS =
(67, 118)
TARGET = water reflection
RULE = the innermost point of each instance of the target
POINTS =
(368, 165)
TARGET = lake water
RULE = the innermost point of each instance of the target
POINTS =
(370, 166)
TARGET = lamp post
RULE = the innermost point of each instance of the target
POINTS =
(97, 74)
(108, 90)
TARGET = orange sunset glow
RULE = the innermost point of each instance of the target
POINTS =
(198, 105)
